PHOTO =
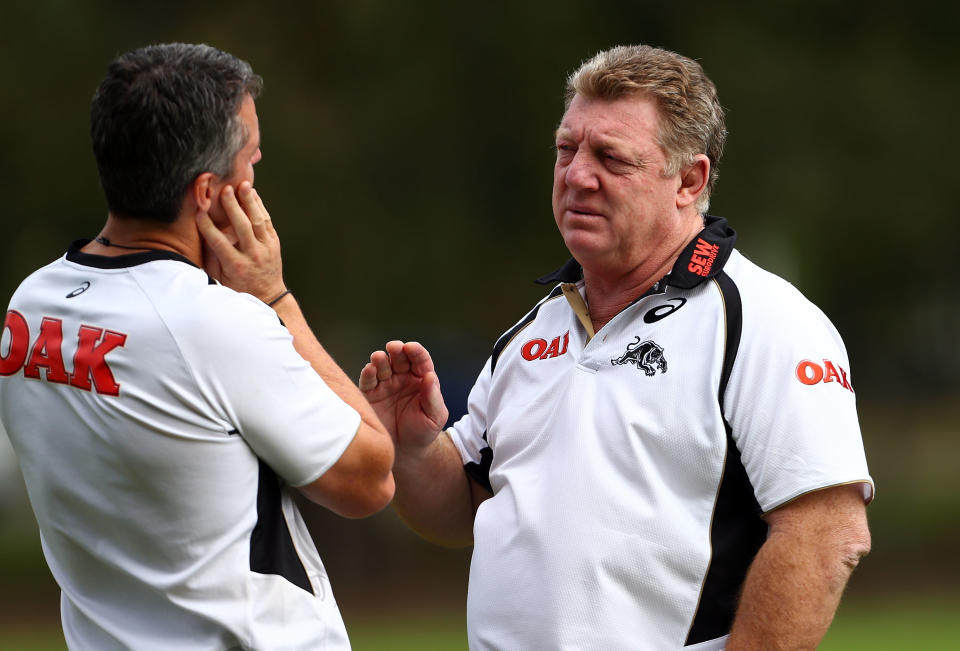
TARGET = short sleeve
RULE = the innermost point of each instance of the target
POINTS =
(275, 400)
(469, 433)
(790, 400)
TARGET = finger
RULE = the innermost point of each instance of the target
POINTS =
(398, 358)
(230, 234)
(238, 219)
(381, 362)
(217, 243)
(420, 361)
(261, 209)
(254, 210)
(368, 378)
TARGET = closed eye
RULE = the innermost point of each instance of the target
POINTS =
(619, 165)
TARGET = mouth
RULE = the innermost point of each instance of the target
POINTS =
(582, 211)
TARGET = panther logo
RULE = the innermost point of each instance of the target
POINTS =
(647, 356)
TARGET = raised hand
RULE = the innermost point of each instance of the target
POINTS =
(402, 387)
(245, 256)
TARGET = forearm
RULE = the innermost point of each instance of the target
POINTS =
(307, 345)
(433, 494)
(360, 483)
(795, 583)
(788, 602)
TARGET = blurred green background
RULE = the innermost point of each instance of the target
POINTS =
(407, 165)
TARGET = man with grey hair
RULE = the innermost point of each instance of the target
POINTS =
(160, 418)
(664, 452)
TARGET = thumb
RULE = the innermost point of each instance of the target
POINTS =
(431, 400)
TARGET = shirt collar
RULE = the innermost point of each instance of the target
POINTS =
(702, 258)
(74, 254)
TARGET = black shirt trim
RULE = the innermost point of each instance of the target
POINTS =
(480, 472)
(737, 531)
(733, 312)
(74, 254)
(570, 272)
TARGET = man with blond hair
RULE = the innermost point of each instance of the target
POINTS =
(664, 452)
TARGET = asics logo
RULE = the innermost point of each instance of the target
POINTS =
(662, 311)
(79, 290)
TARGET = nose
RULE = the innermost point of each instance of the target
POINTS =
(581, 172)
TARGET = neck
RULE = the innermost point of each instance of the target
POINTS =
(607, 296)
(122, 235)
(608, 291)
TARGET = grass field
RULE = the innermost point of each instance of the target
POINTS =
(890, 624)
(906, 623)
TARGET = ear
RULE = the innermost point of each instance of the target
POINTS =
(204, 191)
(693, 181)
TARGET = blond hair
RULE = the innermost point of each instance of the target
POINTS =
(691, 118)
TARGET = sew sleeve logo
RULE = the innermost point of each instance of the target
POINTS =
(811, 373)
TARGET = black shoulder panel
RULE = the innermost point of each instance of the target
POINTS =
(271, 546)
(736, 535)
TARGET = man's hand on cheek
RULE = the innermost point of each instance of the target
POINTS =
(244, 255)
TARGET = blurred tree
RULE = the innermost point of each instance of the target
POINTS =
(408, 153)
(408, 158)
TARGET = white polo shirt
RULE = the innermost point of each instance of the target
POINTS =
(630, 471)
(157, 418)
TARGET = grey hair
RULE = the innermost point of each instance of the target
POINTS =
(163, 115)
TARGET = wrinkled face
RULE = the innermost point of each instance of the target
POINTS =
(611, 202)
